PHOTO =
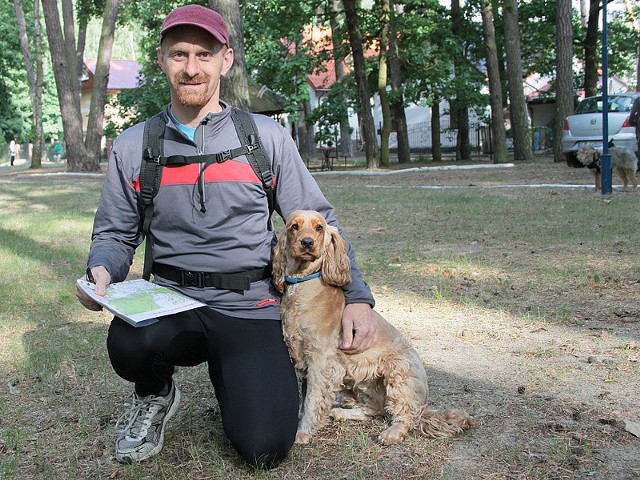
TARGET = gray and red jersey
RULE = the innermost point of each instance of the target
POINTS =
(232, 234)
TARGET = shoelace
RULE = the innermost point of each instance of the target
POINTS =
(138, 417)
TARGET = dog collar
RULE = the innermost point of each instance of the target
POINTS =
(302, 279)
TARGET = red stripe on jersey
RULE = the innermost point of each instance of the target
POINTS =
(229, 171)
(267, 301)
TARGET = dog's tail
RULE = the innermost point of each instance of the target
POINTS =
(443, 424)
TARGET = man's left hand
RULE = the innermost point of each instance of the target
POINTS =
(359, 328)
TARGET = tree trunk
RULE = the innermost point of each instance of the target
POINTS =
(95, 123)
(365, 116)
(66, 59)
(463, 147)
(522, 150)
(591, 50)
(81, 43)
(74, 60)
(345, 147)
(583, 13)
(385, 131)
(638, 64)
(564, 75)
(235, 85)
(500, 53)
(397, 102)
(67, 85)
(34, 76)
(459, 109)
(305, 132)
(39, 151)
(495, 88)
(436, 146)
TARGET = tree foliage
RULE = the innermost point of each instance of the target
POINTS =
(15, 105)
(538, 36)
(332, 109)
(624, 41)
(279, 51)
(152, 94)
(438, 60)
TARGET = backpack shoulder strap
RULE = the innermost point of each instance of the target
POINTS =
(153, 160)
(248, 135)
(150, 176)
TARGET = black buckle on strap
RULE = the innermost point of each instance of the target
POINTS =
(150, 157)
(227, 281)
(196, 279)
(223, 156)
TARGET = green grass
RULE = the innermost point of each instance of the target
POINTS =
(533, 254)
(428, 241)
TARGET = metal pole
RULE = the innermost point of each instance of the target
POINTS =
(605, 161)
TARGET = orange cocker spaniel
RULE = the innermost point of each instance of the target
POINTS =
(310, 265)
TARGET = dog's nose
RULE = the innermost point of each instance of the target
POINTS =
(307, 243)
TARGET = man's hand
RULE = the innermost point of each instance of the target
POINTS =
(102, 279)
(359, 328)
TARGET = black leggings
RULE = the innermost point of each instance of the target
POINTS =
(249, 367)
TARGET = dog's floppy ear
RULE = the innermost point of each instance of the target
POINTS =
(336, 266)
(280, 262)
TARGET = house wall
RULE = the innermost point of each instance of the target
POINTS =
(419, 127)
(85, 105)
(542, 114)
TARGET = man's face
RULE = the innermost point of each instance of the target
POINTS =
(193, 61)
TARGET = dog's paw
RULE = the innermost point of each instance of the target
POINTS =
(344, 414)
(303, 438)
(394, 434)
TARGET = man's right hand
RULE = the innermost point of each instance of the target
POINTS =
(102, 279)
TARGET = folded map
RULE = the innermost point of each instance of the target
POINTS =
(140, 302)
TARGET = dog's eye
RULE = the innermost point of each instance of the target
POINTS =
(294, 226)
(319, 228)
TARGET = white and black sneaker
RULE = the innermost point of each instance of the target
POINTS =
(143, 433)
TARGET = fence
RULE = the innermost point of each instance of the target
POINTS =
(56, 152)
(420, 137)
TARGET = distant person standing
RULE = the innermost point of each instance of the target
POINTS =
(12, 151)
(634, 119)
(57, 151)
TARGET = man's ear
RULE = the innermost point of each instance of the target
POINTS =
(227, 61)
(160, 59)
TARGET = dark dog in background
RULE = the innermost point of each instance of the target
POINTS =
(623, 161)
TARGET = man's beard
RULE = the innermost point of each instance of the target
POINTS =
(193, 97)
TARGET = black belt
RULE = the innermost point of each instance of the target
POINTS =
(225, 281)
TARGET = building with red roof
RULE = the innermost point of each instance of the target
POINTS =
(123, 75)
